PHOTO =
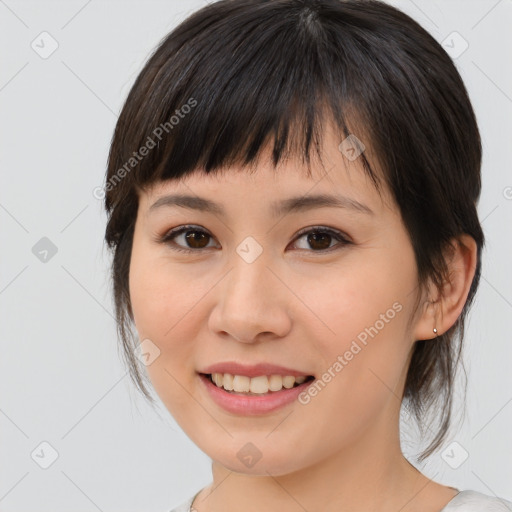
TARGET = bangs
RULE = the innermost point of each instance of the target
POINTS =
(222, 89)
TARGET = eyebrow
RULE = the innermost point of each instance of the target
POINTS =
(278, 208)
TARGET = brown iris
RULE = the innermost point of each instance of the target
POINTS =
(194, 237)
(323, 239)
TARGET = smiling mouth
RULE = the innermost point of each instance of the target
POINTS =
(256, 386)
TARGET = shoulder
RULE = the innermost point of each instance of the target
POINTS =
(465, 501)
(474, 501)
(185, 506)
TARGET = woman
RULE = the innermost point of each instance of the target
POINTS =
(291, 190)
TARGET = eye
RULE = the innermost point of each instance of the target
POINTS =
(320, 238)
(194, 238)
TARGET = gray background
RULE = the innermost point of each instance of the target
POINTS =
(61, 378)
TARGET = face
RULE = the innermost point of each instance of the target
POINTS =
(322, 291)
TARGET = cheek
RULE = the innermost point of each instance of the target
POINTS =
(161, 294)
(367, 347)
(364, 297)
(157, 311)
(167, 310)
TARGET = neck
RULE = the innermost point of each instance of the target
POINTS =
(370, 473)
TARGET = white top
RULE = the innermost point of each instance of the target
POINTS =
(465, 501)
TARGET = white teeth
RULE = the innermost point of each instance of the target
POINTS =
(256, 385)
(241, 384)
(259, 384)
(288, 382)
(227, 381)
(217, 378)
(275, 383)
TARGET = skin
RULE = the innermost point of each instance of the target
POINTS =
(297, 307)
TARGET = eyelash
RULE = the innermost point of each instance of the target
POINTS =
(168, 237)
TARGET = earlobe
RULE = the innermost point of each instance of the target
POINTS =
(441, 314)
(428, 325)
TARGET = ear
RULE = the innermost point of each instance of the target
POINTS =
(443, 311)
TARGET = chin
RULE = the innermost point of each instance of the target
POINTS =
(252, 458)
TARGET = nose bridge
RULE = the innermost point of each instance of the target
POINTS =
(249, 281)
(250, 302)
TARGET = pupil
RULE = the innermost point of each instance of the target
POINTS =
(191, 238)
(313, 238)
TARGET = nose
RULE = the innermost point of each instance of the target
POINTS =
(251, 304)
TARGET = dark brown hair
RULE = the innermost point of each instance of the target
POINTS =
(238, 74)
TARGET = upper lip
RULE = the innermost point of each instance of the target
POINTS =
(253, 370)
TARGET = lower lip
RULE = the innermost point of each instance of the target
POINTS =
(252, 404)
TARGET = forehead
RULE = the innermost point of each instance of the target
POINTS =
(337, 170)
(268, 193)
